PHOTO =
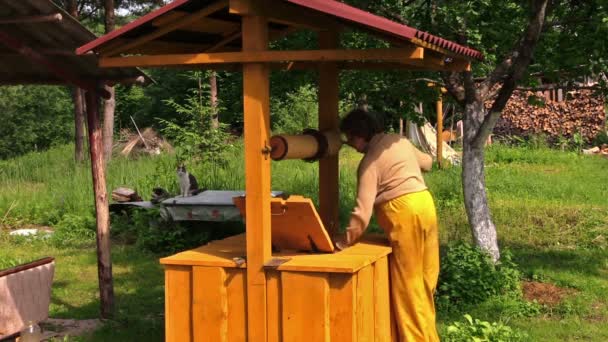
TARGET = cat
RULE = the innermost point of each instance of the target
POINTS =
(187, 182)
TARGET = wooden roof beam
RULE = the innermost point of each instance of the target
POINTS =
(171, 26)
(208, 25)
(37, 58)
(283, 13)
(404, 55)
(50, 18)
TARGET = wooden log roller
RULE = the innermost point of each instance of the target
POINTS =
(311, 145)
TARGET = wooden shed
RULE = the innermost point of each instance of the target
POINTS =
(38, 42)
(237, 289)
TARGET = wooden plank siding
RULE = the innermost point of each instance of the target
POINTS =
(209, 303)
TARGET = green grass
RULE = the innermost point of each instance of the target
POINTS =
(550, 209)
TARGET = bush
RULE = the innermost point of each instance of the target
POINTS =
(298, 111)
(468, 276)
(600, 139)
(145, 229)
(74, 230)
(481, 331)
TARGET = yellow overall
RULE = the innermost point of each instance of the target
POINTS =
(410, 221)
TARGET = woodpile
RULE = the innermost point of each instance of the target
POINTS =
(147, 142)
(582, 112)
(125, 195)
(599, 150)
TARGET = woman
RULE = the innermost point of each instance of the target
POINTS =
(390, 183)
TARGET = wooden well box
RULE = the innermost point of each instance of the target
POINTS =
(310, 297)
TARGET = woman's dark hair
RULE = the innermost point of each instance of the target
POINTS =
(360, 123)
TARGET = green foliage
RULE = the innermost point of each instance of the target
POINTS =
(295, 112)
(34, 118)
(9, 261)
(74, 230)
(600, 139)
(481, 331)
(196, 138)
(469, 276)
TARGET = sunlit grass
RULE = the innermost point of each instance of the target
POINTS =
(550, 209)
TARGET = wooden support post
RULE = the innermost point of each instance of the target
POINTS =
(256, 93)
(440, 131)
(104, 262)
(329, 193)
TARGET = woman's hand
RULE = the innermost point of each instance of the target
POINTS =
(341, 245)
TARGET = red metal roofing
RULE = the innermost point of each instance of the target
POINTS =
(134, 24)
(346, 12)
(330, 7)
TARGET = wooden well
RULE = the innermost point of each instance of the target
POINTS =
(310, 297)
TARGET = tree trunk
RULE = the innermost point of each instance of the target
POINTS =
(78, 99)
(474, 183)
(108, 124)
(110, 104)
(215, 120)
(102, 214)
(79, 108)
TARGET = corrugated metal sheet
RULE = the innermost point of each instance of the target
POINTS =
(340, 12)
(55, 41)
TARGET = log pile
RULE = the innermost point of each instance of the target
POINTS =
(582, 112)
(147, 142)
(125, 195)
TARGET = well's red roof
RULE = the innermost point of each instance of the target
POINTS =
(348, 15)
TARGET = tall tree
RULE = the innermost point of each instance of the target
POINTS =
(110, 103)
(215, 120)
(479, 121)
(78, 99)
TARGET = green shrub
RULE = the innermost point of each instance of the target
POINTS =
(145, 229)
(600, 139)
(74, 230)
(468, 276)
(195, 137)
(298, 111)
(481, 331)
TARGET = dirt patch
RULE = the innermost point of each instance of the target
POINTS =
(545, 293)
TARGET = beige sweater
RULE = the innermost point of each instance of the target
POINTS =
(390, 168)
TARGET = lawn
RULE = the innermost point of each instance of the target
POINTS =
(550, 209)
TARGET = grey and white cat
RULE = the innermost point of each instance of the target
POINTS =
(188, 185)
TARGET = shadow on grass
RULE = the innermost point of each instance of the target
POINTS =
(587, 262)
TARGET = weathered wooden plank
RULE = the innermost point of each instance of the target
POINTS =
(382, 308)
(209, 304)
(305, 306)
(178, 303)
(342, 304)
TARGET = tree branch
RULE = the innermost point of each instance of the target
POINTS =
(453, 84)
(518, 65)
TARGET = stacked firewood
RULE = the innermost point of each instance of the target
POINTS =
(125, 195)
(582, 112)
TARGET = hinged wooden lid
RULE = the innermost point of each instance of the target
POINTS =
(295, 225)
